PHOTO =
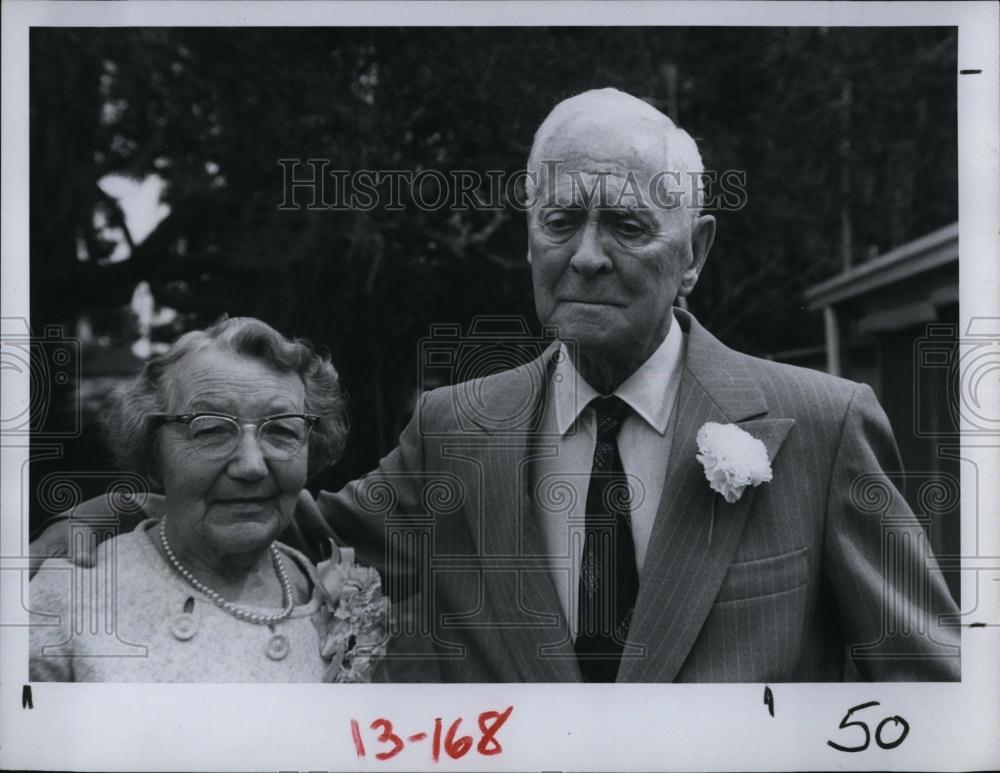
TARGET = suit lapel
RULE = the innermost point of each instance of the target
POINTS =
(694, 538)
(517, 577)
(696, 531)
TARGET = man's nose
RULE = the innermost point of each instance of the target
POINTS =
(248, 461)
(589, 258)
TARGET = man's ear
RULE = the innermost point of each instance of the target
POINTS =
(529, 253)
(702, 236)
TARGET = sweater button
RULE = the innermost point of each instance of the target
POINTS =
(277, 647)
(184, 626)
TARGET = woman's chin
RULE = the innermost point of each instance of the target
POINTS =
(245, 536)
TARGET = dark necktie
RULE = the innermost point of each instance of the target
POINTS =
(609, 581)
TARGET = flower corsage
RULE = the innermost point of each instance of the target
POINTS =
(352, 618)
(733, 459)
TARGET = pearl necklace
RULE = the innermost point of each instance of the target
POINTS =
(228, 606)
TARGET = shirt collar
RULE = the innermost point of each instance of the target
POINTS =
(650, 391)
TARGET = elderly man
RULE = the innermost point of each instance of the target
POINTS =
(642, 503)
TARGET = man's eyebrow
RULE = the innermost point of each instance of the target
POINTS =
(630, 210)
(574, 206)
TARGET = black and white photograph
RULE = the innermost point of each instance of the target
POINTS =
(573, 388)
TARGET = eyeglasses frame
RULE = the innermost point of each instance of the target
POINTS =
(157, 420)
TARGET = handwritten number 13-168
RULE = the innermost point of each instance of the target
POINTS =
(454, 746)
(897, 721)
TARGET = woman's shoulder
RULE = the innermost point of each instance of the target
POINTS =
(129, 554)
(132, 551)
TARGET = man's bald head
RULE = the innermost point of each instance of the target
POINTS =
(641, 134)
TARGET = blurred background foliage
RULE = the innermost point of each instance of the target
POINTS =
(847, 138)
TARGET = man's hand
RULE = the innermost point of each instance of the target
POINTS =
(52, 543)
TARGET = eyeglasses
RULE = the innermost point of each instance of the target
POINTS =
(217, 435)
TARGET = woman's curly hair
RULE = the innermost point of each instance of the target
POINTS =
(132, 438)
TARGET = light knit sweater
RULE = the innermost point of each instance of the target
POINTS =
(84, 631)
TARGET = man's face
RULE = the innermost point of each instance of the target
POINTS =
(606, 270)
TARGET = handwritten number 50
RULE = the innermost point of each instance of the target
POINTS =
(897, 721)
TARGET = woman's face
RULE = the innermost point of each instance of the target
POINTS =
(241, 503)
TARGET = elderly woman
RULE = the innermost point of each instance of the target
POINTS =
(228, 423)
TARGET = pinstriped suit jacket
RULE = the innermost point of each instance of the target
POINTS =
(822, 566)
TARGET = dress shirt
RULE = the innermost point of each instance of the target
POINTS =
(566, 445)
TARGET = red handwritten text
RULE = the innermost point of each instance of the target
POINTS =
(446, 738)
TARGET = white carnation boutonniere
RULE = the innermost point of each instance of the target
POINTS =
(733, 459)
(352, 620)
